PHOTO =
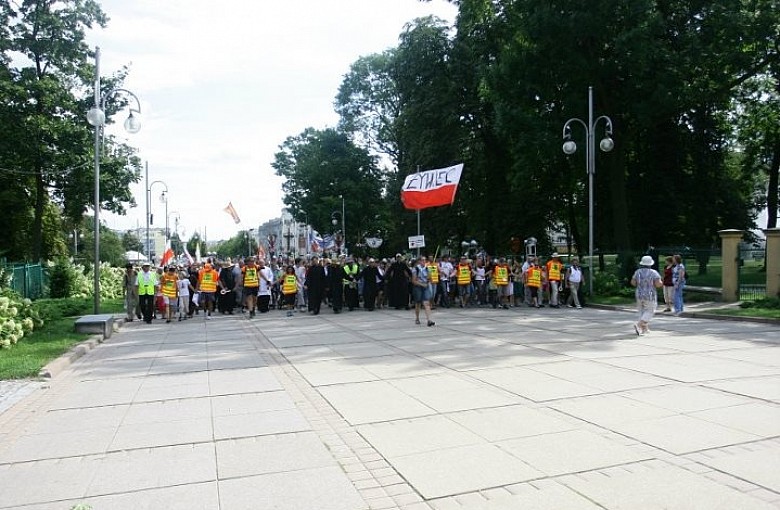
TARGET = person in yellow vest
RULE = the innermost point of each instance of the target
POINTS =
(147, 285)
(464, 273)
(533, 280)
(554, 277)
(433, 278)
(169, 285)
(289, 284)
(207, 286)
(500, 276)
(351, 297)
(251, 285)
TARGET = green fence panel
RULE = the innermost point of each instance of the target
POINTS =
(28, 280)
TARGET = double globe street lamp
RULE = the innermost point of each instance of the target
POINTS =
(606, 145)
(96, 117)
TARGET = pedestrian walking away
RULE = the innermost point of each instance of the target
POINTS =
(421, 292)
(646, 280)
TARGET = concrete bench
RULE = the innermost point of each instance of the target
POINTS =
(102, 324)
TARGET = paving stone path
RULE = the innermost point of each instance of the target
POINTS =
(488, 410)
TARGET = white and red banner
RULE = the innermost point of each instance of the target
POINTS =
(431, 188)
(167, 255)
(232, 212)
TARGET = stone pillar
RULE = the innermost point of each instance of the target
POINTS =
(730, 250)
(772, 262)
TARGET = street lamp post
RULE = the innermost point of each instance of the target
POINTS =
(606, 145)
(337, 236)
(76, 235)
(249, 236)
(149, 216)
(96, 117)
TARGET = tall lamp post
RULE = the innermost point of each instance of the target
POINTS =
(96, 116)
(606, 145)
(149, 215)
(76, 235)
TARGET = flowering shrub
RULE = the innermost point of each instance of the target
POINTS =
(18, 317)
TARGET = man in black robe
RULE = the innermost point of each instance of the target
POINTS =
(226, 298)
(336, 285)
(371, 279)
(315, 285)
(398, 277)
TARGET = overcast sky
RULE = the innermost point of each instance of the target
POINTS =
(223, 84)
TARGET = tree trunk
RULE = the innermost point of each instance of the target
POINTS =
(37, 230)
(773, 190)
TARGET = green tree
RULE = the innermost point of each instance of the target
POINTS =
(322, 166)
(45, 144)
(131, 242)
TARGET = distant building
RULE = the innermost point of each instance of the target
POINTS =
(283, 236)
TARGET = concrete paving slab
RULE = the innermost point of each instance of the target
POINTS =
(196, 496)
(606, 410)
(371, 402)
(538, 496)
(462, 469)
(503, 423)
(250, 380)
(98, 394)
(44, 481)
(682, 434)
(759, 463)
(691, 367)
(682, 490)
(572, 451)
(685, 398)
(398, 366)
(449, 392)
(58, 445)
(167, 411)
(761, 419)
(417, 435)
(766, 388)
(251, 403)
(271, 454)
(604, 349)
(150, 468)
(259, 424)
(166, 433)
(769, 356)
(75, 420)
(533, 385)
(322, 488)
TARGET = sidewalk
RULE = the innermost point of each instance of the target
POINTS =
(488, 410)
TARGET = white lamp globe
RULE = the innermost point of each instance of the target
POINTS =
(96, 117)
(607, 144)
(569, 147)
(132, 124)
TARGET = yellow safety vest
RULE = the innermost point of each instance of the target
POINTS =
(501, 275)
(170, 286)
(534, 277)
(208, 281)
(290, 284)
(464, 274)
(250, 277)
(350, 269)
(433, 273)
(146, 289)
(554, 270)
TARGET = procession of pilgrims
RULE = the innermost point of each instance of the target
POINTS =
(308, 285)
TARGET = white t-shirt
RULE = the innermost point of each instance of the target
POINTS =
(445, 270)
(184, 287)
(480, 276)
(265, 286)
(575, 274)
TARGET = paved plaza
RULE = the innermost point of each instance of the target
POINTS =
(490, 409)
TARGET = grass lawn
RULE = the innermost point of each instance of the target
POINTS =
(56, 337)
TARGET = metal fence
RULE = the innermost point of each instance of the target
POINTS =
(28, 280)
(751, 292)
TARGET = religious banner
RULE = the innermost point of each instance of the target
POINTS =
(431, 188)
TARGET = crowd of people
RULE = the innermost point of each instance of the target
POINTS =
(304, 285)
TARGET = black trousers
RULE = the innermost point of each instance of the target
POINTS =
(146, 303)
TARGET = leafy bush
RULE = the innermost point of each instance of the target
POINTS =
(55, 309)
(62, 278)
(18, 317)
(769, 303)
(606, 284)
